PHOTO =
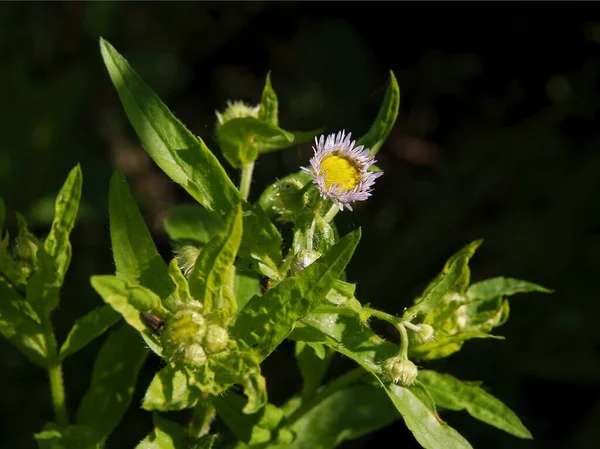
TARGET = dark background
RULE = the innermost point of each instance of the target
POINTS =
(497, 138)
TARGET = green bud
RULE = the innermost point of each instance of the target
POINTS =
(182, 336)
(236, 109)
(186, 258)
(424, 335)
(401, 371)
(284, 199)
(216, 338)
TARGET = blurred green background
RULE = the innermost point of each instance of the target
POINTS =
(497, 138)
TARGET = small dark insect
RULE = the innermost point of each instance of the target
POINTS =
(153, 322)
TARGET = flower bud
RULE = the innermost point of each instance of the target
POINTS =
(186, 258)
(236, 109)
(216, 338)
(401, 371)
(182, 336)
(424, 334)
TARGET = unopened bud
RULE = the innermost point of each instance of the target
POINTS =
(401, 371)
(182, 336)
(236, 109)
(216, 338)
(424, 334)
(186, 258)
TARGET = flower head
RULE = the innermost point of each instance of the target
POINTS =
(340, 170)
(236, 109)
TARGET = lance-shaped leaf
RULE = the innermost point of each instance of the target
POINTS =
(350, 337)
(20, 325)
(192, 223)
(213, 268)
(345, 415)
(451, 393)
(385, 118)
(136, 256)
(255, 429)
(172, 388)
(57, 243)
(170, 435)
(246, 286)
(267, 320)
(500, 287)
(181, 155)
(113, 381)
(130, 300)
(269, 105)
(418, 410)
(445, 345)
(87, 328)
(454, 277)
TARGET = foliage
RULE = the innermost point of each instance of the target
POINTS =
(234, 292)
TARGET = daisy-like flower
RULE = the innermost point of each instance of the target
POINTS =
(339, 169)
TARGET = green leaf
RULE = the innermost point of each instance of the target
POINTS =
(267, 320)
(172, 388)
(211, 274)
(261, 242)
(166, 435)
(385, 118)
(25, 251)
(80, 437)
(57, 243)
(443, 345)
(254, 429)
(269, 105)
(241, 367)
(181, 155)
(246, 286)
(345, 415)
(243, 139)
(192, 222)
(421, 418)
(451, 393)
(500, 287)
(454, 277)
(87, 328)
(136, 256)
(43, 285)
(130, 299)
(113, 381)
(312, 367)
(20, 325)
(10, 270)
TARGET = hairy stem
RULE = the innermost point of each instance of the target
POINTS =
(246, 180)
(57, 387)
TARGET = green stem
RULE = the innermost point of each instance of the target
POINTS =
(331, 213)
(246, 180)
(57, 387)
(398, 324)
(403, 341)
(202, 417)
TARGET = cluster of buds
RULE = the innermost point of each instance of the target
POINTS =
(190, 338)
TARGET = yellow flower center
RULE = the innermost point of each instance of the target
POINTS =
(339, 170)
